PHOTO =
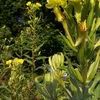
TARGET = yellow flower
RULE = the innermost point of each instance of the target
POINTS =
(38, 4)
(28, 3)
(18, 61)
(53, 3)
(8, 62)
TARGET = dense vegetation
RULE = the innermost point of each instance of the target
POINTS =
(49, 50)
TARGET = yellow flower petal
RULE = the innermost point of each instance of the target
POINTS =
(8, 62)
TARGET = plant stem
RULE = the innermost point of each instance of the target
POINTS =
(65, 26)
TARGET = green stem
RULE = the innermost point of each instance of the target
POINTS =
(65, 26)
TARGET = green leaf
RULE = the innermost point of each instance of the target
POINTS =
(42, 90)
(90, 18)
(91, 14)
(95, 83)
(93, 68)
(29, 61)
(68, 42)
(73, 76)
(78, 75)
(81, 55)
(97, 23)
(97, 44)
(38, 48)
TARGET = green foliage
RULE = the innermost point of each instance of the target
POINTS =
(85, 29)
(67, 50)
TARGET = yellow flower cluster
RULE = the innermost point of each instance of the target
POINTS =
(15, 61)
(53, 3)
(28, 3)
(18, 61)
(32, 5)
(14, 64)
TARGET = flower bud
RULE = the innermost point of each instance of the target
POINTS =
(28, 3)
(56, 61)
(48, 77)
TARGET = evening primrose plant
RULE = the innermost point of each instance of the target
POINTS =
(53, 84)
(80, 20)
(16, 74)
(15, 66)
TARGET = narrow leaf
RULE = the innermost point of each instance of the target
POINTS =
(93, 68)
(68, 43)
(97, 44)
(78, 75)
